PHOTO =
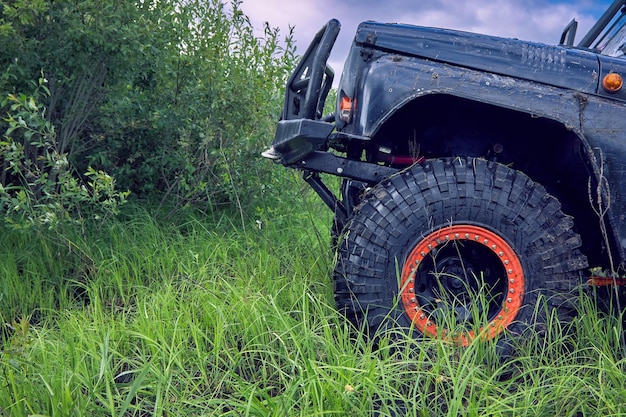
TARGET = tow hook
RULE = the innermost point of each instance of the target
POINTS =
(606, 281)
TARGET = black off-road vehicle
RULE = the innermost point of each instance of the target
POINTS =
(479, 174)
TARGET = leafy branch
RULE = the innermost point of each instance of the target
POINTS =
(38, 185)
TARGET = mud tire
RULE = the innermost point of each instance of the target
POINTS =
(406, 220)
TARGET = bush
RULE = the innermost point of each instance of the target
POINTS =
(38, 186)
(174, 99)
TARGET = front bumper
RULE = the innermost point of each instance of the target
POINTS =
(295, 139)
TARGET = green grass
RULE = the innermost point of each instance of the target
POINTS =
(206, 317)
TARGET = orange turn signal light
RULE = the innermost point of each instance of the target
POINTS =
(612, 82)
(345, 108)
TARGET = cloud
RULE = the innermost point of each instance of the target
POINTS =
(305, 15)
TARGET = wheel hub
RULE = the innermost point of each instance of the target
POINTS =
(454, 273)
(467, 272)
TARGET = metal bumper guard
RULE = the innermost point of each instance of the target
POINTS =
(303, 143)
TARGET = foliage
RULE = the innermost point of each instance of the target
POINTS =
(78, 45)
(175, 99)
(200, 316)
(37, 185)
(203, 109)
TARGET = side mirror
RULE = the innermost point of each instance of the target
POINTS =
(569, 33)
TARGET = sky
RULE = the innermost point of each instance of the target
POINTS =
(533, 20)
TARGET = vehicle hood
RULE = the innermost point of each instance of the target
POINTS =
(559, 66)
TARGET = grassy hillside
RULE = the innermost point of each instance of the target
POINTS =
(219, 316)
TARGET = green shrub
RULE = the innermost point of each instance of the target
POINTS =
(174, 99)
(38, 185)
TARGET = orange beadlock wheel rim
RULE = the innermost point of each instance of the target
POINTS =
(464, 245)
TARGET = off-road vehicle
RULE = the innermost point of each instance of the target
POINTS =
(479, 174)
